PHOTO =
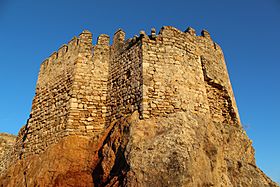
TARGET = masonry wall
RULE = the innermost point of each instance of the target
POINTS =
(70, 97)
(185, 72)
(173, 77)
(50, 108)
(126, 79)
(87, 114)
(6, 146)
(222, 103)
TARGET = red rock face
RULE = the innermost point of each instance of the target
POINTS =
(110, 165)
(132, 152)
(65, 163)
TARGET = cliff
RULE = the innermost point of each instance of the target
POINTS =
(152, 110)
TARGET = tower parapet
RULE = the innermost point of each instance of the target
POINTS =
(191, 31)
(118, 40)
(103, 39)
(205, 34)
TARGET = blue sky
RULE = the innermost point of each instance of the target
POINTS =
(248, 32)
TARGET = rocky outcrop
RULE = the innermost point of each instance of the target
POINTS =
(179, 150)
(182, 150)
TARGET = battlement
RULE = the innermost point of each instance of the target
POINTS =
(103, 39)
(83, 87)
(74, 45)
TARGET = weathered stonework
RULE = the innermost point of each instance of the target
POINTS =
(7, 142)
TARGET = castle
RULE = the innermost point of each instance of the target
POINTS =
(154, 110)
(82, 87)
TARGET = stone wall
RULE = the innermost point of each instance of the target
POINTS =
(171, 74)
(50, 108)
(216, 78)
(71, 94)
(7, 142)
(88, 111)
(125, 80)
(174, 71)
(82, 88)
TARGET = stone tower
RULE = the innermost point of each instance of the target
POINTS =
(83, 87)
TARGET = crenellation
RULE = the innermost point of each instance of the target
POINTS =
(43, 67)
(85, 39)
(153, 33)
(119, 36)
(142, 34)
(169, 32)
(73, 43)
(134, 39)
(191, 31)
(118, 40)
(53, 57)
(205, 34)
(103, 39)
(83, 87)
(62, 50)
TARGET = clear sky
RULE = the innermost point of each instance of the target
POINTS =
(247, 30)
